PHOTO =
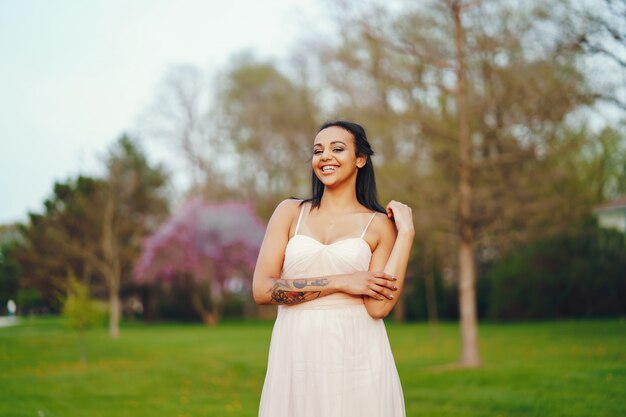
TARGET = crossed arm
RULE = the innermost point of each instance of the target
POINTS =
(380, 289)
(295, 291)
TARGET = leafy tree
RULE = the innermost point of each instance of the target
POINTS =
(93, 228)
(479, 112)
(469, 102)
(602, 165)
(248, 139)
(9, 268)
(71, 214)
(577, 274)
(272, 147)
(81, 312)
(212, 247)
(134, 204)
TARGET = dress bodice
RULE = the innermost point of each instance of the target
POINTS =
(306, 257)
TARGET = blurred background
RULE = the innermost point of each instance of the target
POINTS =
(144, 146)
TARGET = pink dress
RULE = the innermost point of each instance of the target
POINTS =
(328, 357)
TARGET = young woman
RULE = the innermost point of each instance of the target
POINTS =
(335, 264)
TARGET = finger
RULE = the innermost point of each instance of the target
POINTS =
(384, 275)
(387, 284)
(373, 294)
(389, 208)
(384, 292)
(393, 204)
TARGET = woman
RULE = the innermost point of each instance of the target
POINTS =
(335, 264)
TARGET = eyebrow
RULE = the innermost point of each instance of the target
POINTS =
(332, 143)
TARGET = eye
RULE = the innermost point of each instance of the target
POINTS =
(316, 151)
(338, 149)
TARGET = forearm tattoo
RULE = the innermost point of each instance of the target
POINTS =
(297, 291)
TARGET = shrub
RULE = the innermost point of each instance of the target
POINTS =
(581, 274)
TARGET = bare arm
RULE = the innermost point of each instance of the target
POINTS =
(392, 256)
(269, 288)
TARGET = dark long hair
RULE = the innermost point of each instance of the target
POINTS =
(366, 192)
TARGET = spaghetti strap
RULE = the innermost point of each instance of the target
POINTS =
(368, 225)
(299, 219)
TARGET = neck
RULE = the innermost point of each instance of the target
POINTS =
(340, 199)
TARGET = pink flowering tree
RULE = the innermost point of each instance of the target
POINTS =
(213, 246)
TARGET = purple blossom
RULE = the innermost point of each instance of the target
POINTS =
(209, 242)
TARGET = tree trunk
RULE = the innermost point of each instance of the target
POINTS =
(112, 262)
(431, 294)
(216, 312)
(148, 301)
(83, 347)
(209, 317)
(213, 317)
(114, 311)
(467, 271)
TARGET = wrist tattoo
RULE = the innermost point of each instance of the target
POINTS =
(296, 291)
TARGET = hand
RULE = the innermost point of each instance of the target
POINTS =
(402, 215)
(377, 285)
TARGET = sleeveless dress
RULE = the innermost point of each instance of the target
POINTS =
(328, 357)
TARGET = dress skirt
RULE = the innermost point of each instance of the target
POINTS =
(329, 358)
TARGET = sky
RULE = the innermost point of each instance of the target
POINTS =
(75, 75)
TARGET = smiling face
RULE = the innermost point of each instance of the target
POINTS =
(334, 157)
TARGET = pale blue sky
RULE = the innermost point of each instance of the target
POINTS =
(75, 74)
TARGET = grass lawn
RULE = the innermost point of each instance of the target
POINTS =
(569, 368)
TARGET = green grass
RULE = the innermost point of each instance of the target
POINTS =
(570, 368)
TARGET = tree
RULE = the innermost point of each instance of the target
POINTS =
(476, 99)
(9, 268)
(575, 274)
(46, 255)
(233, 149)
(598, 32)
(271, 147)
(211, 246)
(467, 268)
(93, 228)
(81, 312)
(133, 206)
(185, 117)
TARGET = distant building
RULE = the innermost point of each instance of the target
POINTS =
(612, 214)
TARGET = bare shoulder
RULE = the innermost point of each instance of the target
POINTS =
(285, 212)
(288, 206)
(383, 227)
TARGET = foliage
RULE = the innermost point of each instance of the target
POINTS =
(270, 147)
(30, 301)
(92, 228)
(210, 246)
(601, 166)
(578, 274)
(80, 310)
(402, 83)
(232, 149)
(10, 271)
(47, 255)
(539, 162)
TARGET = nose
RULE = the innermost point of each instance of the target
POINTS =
(326, 155)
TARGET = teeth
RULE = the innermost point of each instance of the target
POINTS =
(328, 168)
